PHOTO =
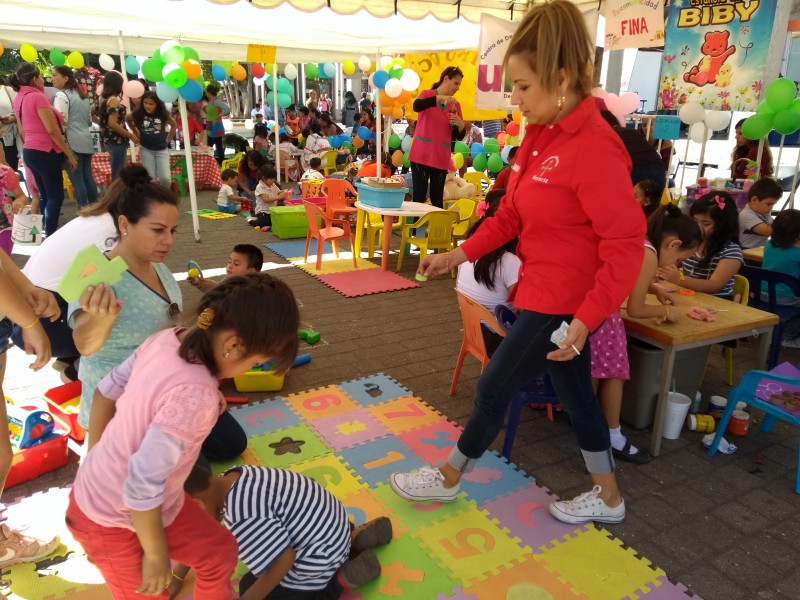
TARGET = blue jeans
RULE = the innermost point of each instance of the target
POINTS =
(82, 182)
(157, 164)
(118, 153)
(520, 358)
(46, 168)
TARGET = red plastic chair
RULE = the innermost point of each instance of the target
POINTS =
(335, 198)
(323, 234)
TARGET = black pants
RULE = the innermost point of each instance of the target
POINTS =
(219, 148)
(332, 592)
(12, 156)
(261, 219)
(422, 176)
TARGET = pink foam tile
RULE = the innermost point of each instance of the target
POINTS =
(362, 283)
(349, 428)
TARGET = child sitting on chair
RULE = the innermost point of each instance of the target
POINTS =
(244, 259)
(312, 173)
(294, 536)
(228, 201)
(267, 193)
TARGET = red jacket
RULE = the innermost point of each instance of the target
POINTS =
(581, 231)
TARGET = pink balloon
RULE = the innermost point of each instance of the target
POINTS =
(371, 81)
(133, 89)
(599, 92)
(612, 102)
(629, 102)
(99, 89)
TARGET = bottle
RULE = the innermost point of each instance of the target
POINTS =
(698, 402)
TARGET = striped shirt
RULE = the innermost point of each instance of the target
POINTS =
(269, 510)
(693, 268)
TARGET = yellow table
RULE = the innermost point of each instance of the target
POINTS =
(755, 255)
(732, 322)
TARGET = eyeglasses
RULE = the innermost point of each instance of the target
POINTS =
(173, 310)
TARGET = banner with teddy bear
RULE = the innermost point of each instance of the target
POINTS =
(715, 53)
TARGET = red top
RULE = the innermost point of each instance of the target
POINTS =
(581, 231)
(433, 135)
(501, 181)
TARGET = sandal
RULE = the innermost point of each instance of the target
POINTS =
(639, 458)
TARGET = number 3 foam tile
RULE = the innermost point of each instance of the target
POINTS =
(469, 545)
(376, 461)
(264, 417)
(323, 402)
(493, 476)
(349, 428)
(289, 446)
(332, 474)
(404, 414)
(374, 389)
(432, 443)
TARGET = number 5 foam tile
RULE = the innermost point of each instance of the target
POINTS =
(374, 389)
(526, 513)
(413, 515)
(598, 565)
(493, 476)
(376, 461)
(349, 428)
(662, 589)
(432, 443)
(469, 545)
(263, 417)
(404, 414)
(289, 446)
(332, 474)
(323, 402)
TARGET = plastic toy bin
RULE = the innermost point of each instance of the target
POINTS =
(57, 397)
(29, 463)
(381, 197)
(289, 221)
(257, 380)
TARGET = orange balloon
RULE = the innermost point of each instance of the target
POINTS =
(512, 129)
(397, 112)
(238, 72)
(387, 110)
(515, 116)
(501, 138)
(357, 142)
(385, 99)
(404, 97)
(397, 158)
(192, 68)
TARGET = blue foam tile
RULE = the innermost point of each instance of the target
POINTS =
(375, 461)
(264, 417)
(492, 476)
(374, 389)
(297, 248)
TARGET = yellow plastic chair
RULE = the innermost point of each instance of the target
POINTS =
(373, 225)
(465, 207)
(439, 234)
(328, 159)
(741, 294)
(232, 162)
(477, 178)
(68, 186)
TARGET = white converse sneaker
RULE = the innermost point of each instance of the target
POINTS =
(425, 484)
(588, 507)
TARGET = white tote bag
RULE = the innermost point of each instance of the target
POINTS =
(27, 228)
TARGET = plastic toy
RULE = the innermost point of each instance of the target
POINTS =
(420, 277)
(28, 427)
(236, 399)
(193, 271)
(302, 359)
(308, 336)
(90, 267)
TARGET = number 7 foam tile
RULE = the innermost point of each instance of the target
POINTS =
(404, 414)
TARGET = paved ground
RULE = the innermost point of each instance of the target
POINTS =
(727, 527)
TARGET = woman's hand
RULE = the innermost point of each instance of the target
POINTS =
(456, 121)
(664, 295)
(573, 344)
(36, 342)
(156, 575)
(134, 138)
(100, 301)
(670, 273)
(438, 264)
(673, 314)
(43, 303)
(72, 161)
(19, 204)
(442, 99)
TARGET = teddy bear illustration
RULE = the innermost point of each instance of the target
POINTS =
(724, 76)
(715, 51)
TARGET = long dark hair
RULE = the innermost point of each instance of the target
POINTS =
(786, 229)
(450, 73)
(24, 75)
(741, 152)
(72, 83)
(139, 112)
(133, 192)
(726, 222)
(669, 220)
(112, 86)
(486, 266)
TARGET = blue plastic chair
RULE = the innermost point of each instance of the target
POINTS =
(746, 392)
(756, 276)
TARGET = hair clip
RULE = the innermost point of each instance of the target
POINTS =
(720, 202)
(205, 318)
(481, 208)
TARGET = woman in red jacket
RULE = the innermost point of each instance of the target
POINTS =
(581, 243)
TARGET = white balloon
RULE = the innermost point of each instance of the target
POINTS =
(393, 88)
(698, 134)
(364, 63)
(290, 72)
(717, 119)
(248, 124)
(386, 61)
(227, 124)
(106, 62)
(409, 80)
(692, 112)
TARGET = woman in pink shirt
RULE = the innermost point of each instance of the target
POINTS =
(45, 146)
(149, 418)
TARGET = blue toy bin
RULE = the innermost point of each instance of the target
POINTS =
(381, 197)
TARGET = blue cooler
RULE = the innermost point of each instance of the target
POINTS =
(390, 197)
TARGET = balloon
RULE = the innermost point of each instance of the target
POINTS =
(218, 73)
(504, 153)
(406, 143)
(795, 105)
(385, 61)
(290, 72)
(248, 124)
(335, 141)
(393, 88)
(364, 63)
(495, 162)
(329, 69)
(404, 96)
(132, 65)
(238, 72)
(515, 116)
(512, 129)
(284, 100)
(270, 98)
(512, 140)
(348, 146)
(269, 82)
(479, 163)
(227, 125)
(285, 86)
(397, 158)
(28, 53)
(75, 60)
(764, 108)
(192, 68)
(698, 133)
(717, 119)
(787, 122)
(257, 69)
(190, 53)
(394, 141)
(212, 112)
(388, 109)
(462, 148)
(692, 112)
(172, 52)
(757, 126)
(409, 80)
(357, 142)
(133, 88)
(406, 161)
(370, 81)
(174, 75)
(385, 99)
(152, 68)
(363, 132)
(476, 148)
(348, 67)
(166, 92)
(628, 102)
(492, 146)
(400, 61)
(501, 138)
(56, 57)
(458, 161)
(379, 79)
(106, 62)
(1, 49)
(780, 93)
(397, 112)
(396, 72)
(226, 65)
(311, 71)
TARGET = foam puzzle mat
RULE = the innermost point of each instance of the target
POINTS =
(497, 541)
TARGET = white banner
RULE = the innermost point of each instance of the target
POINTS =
(634, 24)
(492, 90)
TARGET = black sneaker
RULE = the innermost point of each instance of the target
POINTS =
(360, 570)
(372, 534)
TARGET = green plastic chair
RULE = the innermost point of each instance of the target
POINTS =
(181, 177)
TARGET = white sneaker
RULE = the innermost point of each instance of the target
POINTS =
(425, 484)
(588, 507)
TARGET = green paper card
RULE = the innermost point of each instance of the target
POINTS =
(90, 267)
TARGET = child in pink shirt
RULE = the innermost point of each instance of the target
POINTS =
(149, 418)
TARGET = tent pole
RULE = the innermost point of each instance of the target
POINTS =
(794, 182)
(758, 158)
(683, 171)
(187, 152)
(125, 79)
(379, 124)
(277, 127)
(780, 151)
(701, 170)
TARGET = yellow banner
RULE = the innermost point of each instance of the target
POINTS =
(257, 53)
(430, 66)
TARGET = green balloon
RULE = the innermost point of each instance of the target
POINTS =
(479, 163)
(406, 161)
(495, 161)
(311, 71)
(157, 55)
(795, 105)
(462, 148)
(395, 72)
(284, 100)
(57, 57)
(491, 146)
(757, 126)
(269, 83)
(176, 78)
(764, 108)
(152, 68)
(787, 122)
(285, 86)
(780, 93)
(347, 145)
(190, 53)
(174, 54)
(394, 141)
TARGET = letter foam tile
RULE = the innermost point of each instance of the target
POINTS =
(374, 389)
(598, 565)
(376, 461)
(331, 473)
(288, 446)
(493, 476)
(349, 428)
(319, 403)
(264, 417)
(404, 414)
(432, 443)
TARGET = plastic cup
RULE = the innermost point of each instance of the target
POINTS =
(677, 409)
